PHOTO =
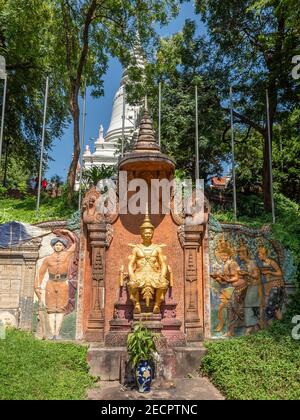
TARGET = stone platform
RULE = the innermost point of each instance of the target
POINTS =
(196, 388)
(109, 364)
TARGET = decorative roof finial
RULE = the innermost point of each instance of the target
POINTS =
(87, 151)
(101, 131)
(101, 134)
(146, 140)
(147, 221)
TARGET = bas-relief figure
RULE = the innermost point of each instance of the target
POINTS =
(274, 285)
(148, 271)
(58, 297)
(253, 303)
(232, 293)
(249, 288)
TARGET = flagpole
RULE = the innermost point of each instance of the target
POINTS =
(3, 115)
(270, 155)
(233, 156)
(82, 143)
(159, 114)
(197, 135)
(42, 150)
(123, 121)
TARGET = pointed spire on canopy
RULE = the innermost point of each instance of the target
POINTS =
(146, 140)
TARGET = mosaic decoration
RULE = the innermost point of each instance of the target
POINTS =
(249, 274)
(14, 234)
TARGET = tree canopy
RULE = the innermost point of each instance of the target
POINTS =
(70, 41)
(252, 45)
(246, 44)
(26, 41)
(180, 65)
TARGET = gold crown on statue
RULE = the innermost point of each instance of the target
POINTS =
(147, 223)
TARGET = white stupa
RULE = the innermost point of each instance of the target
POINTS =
(104, 154)
(106, 148)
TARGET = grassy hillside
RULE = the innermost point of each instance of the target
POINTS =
(25, 210)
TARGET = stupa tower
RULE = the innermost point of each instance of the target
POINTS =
(106, 146)
(131, 112)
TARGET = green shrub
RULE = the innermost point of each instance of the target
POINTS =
(3, 192)
(263, 366)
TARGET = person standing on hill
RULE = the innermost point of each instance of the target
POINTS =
(44, 184)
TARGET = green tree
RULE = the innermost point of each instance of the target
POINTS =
(87, 32)
(26, 41)
(286, 155)
(249, 160)
(181, 64)
(17, 173)
(253, 43)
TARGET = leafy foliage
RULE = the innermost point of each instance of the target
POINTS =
(26, 41)
(141, 345)
(95, 174)
(285, 153)
(87, 32)
(25, 210)
(181, 64)
(17, 173)
(252, 45)
(69, 41)
(286, 229)
(39, 370)
(257, 367)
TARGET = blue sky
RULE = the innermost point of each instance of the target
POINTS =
(99, 110)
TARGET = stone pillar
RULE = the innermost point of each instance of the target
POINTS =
(193, 275)
(97, 240)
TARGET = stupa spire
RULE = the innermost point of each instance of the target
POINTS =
(115, 130)
(146, 140)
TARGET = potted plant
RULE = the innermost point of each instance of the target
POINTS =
(141, 350)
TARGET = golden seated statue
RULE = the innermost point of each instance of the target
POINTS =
(149, 275)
